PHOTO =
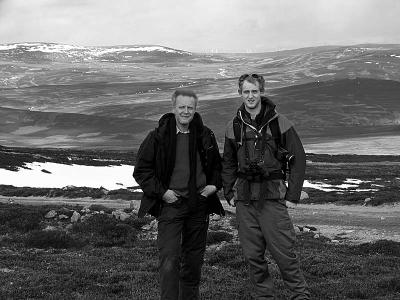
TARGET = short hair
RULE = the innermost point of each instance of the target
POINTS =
(184, 92)
(253, 78)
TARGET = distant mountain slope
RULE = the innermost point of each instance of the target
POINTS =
(42, 52)
(342, 107)
(72, 96)
(69, 130)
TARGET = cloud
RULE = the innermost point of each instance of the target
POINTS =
(198, 25)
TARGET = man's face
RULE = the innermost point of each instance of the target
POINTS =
(184, 109)
(251, 95)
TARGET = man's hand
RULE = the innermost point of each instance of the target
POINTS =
(208, 190)
(170, 196)
(291, 205)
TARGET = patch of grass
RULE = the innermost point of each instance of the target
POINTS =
(105, 231)
(52, 239)
(136, 222)
(215, 237)
(130, 271)
(99, 207)
(20, 218)
(381, 247)
(123, 194)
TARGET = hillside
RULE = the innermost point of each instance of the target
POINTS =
(55, 95)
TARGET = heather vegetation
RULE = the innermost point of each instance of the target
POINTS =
(101, 256)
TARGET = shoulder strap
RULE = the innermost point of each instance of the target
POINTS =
(275, 131)
(237, 130)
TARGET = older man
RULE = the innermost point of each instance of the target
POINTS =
(178, 168)
(260, 146)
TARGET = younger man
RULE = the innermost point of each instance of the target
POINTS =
(259, 145)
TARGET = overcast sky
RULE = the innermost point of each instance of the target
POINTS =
(202, 25)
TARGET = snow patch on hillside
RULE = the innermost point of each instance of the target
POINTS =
(95, 51)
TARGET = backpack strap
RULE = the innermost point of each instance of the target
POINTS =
(237, 130)
(275, 131)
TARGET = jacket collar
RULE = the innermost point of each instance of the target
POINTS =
(168, 122)
(267, 114)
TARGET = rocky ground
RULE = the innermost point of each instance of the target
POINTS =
(352, 224)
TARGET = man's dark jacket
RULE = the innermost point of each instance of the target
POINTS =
(156, 160)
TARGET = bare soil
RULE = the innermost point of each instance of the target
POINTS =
(351, 223)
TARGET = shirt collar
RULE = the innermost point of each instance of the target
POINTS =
(180, 131)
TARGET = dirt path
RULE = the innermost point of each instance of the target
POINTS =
(356, 224)
(68, 201)
(353, 224)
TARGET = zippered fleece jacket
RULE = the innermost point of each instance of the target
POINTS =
(155, 163)
(234, 157)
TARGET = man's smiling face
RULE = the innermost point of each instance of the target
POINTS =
(251, 95)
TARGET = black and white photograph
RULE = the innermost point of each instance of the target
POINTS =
(199, 149)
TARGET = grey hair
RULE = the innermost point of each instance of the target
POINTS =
(184, 92)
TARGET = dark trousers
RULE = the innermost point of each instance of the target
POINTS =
(181, 242)
(267, 225)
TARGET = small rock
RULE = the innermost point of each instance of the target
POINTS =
(152, 226)
(51, 214)
(366, 201)
(298, 229)
(6, 270)
(304, 195)
(383, 218)
(312, 228)
(86, 209)
(69, 187)
(317, 236)
(305, 229)
(50, 228)
(75, 217)
(120, 215)
(335, 241)
(63, 217)
(215, 217)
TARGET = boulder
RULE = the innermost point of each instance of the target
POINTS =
(120, 215)
(215, 217)
(75, 217)
(298, 229)
(311, 228)
(304, 195)
(51, 214)
(366, 201)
